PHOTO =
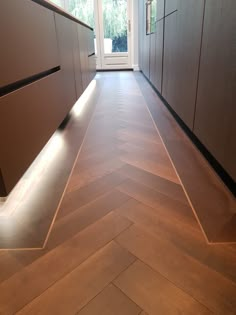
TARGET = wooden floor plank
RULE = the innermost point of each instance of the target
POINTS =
(124, 192)
(78, 198)
(149, 290)
(111, 301)
(70, 225)
(189, 241)
(8, 265)
(155, 182)
(158, 200)
(205, 285)
(45, 271)
(75, 290)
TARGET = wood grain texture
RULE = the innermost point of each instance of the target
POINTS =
(111, 218)
(184, 236)
(148, 289)
(216, 213)
(204, 285)
(57, 263)
(94, 275)
(111, 301)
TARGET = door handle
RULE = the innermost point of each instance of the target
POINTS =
(129, 26)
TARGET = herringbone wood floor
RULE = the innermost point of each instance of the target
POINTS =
(125, 240)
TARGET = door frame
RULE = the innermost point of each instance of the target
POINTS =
(102, 58)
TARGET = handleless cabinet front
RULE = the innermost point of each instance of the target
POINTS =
(28, 40)
(215, 122)
(28, 118)
(182, 43)
(66, 33)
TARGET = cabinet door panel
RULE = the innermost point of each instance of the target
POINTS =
(141, 33)
(182, 41)
(28, 118)
(77, 63)
(216, 100)
(171, 5)
(160, 9)
(153, 58)
(28, 40)
(159, 55)
(83, 43)
(66, 34)
(91, 56)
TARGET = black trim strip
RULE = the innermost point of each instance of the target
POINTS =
(219, 169)
(21, 83)
(165, 15)
(112, 70)
(170, 13)
(161, 20)
(93, 54)
(3, 192)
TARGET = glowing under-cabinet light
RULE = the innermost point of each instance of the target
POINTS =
(28, 183)
(82, 101)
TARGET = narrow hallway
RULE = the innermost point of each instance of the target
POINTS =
(125, 238)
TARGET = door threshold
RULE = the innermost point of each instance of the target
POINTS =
(122, 69)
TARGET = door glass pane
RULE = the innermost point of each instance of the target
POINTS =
(115, 26)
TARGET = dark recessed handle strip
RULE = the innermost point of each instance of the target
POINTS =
(91, 54)
(165, 16)
(21, 83)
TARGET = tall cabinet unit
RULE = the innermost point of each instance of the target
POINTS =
(140, 32)
(182, 42)
(156, 57)
(215, 122)
(146, 50)
(151, 45)
(192, 62)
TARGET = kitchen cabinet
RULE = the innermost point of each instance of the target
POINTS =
(82, 32)
(45, 67)
(141, 32)
(146, 49)
(160, 12)
(66, 36)
(156, 67)
(28, 118)
(77, 61)
(215, 122)
(171, 6)
(152, 54)
(28, 40)
(182, 42)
